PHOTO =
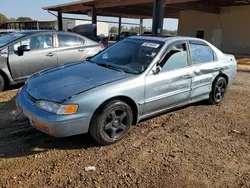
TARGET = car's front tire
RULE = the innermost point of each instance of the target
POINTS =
(2, 83)
(218, 90)
(111, 122)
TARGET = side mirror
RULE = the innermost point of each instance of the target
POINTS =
(157, 70)
(88, 58)
(22, 49)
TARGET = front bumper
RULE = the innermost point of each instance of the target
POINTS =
(52, 124)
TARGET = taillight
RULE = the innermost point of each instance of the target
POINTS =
(103, 47)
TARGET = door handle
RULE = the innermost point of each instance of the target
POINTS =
(186, 75)
(81, 50)
(50, 54)
(197, 71)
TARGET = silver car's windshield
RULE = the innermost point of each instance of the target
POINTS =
(129, 55)
(6, 39)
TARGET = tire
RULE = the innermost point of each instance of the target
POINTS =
(218, 90)
(2, 83)
(111, 122)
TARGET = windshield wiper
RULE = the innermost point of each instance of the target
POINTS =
(110, 67)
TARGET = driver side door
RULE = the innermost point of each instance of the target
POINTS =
(172, 85)
(42, 55)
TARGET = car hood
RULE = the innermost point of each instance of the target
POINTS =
(59, 83)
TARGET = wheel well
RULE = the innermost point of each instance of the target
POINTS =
(128, 101)
(6, 80)
(224, 76)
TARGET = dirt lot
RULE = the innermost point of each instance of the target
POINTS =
(196, 146)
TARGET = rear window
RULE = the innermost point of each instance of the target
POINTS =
(67, 40)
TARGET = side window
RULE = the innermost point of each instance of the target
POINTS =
(201, 53)
(175, 58)
(35, 43)
(80, 41)
(67, 40)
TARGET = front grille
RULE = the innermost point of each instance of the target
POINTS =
(30, 99)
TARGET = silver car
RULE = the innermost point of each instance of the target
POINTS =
(24, 53)
(133, 79)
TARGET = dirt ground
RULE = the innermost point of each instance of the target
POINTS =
(196, 146)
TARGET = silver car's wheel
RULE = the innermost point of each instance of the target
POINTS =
(111, 123)
(218, 91)
(2, 83)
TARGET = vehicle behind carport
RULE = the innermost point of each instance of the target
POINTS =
(25, 53)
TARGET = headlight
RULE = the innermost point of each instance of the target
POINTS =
(56, 108)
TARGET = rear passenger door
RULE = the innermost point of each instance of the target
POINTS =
(70, 48)
(205, 67)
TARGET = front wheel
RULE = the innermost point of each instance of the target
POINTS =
(111, 122)
(2, 83)
(218, 90)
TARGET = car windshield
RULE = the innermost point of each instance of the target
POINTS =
(130, 55)
(6, 39)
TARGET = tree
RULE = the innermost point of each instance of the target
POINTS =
(3, 18)
(169, 32)
(22, 19)
(113, 29)
(134, 29)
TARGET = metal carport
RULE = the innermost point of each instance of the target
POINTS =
(140, 9)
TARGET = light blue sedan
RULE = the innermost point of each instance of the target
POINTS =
(133, 79)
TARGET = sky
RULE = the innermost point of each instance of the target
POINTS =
(33, 9)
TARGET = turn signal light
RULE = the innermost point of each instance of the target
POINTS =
(39, 126)
(69, 109)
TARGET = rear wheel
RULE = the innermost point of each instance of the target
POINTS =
(218, 91)
(2, 83)
(111, 123)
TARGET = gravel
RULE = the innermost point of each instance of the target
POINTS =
(196, 146)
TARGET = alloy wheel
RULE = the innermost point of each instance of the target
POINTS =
(115, 124)
(220, 89)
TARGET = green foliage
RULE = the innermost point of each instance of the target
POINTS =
(169, 32)
(113, 30)
(21, 19)
(134, 29)
(3, 18)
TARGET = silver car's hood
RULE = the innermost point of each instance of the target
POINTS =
(59, 83)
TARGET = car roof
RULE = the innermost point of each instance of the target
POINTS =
(163, 38)
(30, 32)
